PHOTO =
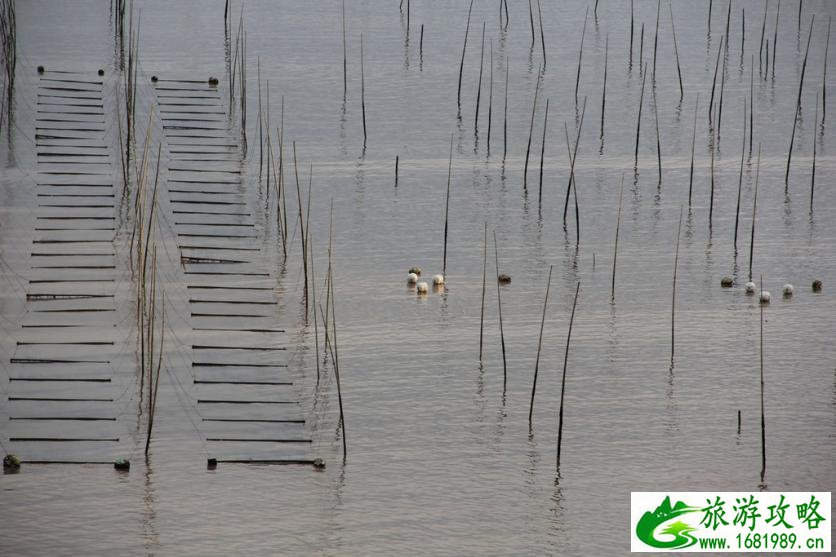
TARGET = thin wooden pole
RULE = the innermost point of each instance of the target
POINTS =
(656, 38)
(798, 101)
(754, 213)
(531, 130)
(751, 104)
(363, 91)
(763, 32)
(740, 178)
(505, 116)
(639, 119)
(563, 380)
(461, 65)
(615, 247)
(813, 175)
(345, 58)
(479, 86)
(337, 364)
(580, 57)
(572, 158)
(484, 285)
(542, 36)
(693, 145)
(490, 100)
(539, 347)
(543, 151)
(658, 138)
(447, 206)
(673, 288)
(775, 40)
(531, 20)
(632, 25)
(714, 83)
(676, 53)
(763, 414)
(499, 305)
(824, 75)
(604, 90)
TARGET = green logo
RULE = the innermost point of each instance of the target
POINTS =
(681, 532)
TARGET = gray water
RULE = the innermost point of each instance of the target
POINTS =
(441, 460)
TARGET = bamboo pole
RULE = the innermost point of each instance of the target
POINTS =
(639, 120)
(632, 25)
(676, 53)
(656, 39)
(499, 305)
(673, 289)
(763, 32)
(484, 285)
(775, 41)
(813, 175)
(714, 83)
(580, 57)
(563, 380)
(798, 101)
(763, 415)
(301, 229)
(539, 347)
(824, 75)
(447, 207)
(543, 151)
(615, 247)
(345, 57)
(531, 20)
(754, 213)
(363, 91)
(693, 145)
(337, 364)
(542, 36)
(572, 158)
(604, 90)
(479, 86)
(740, 178)
(505, 116)
(531, 131)
(490, 101)
(461, 65)
(658, 139)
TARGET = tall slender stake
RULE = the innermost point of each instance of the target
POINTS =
(763, 414)
(656, 38)
(542, 36)
(531, 20)
(658, 138)
(751, 104)
(639, 119)
(479, 86)
(763, 33)
(447, 206)
(740, 177)
(461, 65)
(301, 229)
(604, 90)
(539, 346)
(563, 380)
(824, 75)
(714, 83)
(632, 25)
(531, 130)
(798, 101)
(754, 213)
(775, 40)
(337, 362)
(673, 288)
(580, 57)
(813, 175)
(363, 90)
(573, 155)
(693, 145)
(711, 197)
(543, 151)
(615, 247)
(505, 116)
(484, 285)
(499, 305)
(345, 58)
(490, 100)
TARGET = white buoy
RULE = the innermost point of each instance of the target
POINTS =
(438, 279)
(788, 290)
(765, 297)
(422, 287)
(411, 278)
(751, 287)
